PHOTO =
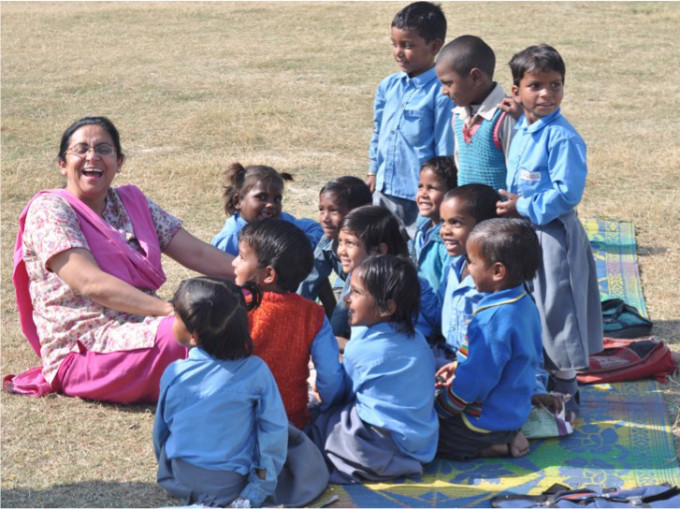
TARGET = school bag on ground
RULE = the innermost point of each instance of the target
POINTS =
(623, 321)
(627, 359)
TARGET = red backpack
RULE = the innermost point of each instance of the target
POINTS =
(629, 359)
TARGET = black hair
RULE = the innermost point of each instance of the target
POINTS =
(541, 58)
(374, 225)
(445, 169)
(241, 179)
(102, 122)
(512, 242)
(479, 200)
(215, 310)
(351, 191)
(395, 278)
(425, 18)
(467, 52)
(283, 246)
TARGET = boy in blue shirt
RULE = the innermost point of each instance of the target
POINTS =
(487, 398)
(412, 119)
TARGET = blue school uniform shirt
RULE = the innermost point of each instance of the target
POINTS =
(411, 124)
(497, 365)
(459, 298)
(391, 377)
(429, 252)
(227, 238)
(546, 167)
(326, 260)
(223, 415)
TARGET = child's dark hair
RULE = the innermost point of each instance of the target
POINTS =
(425, 18)
(541, 58)
(512, 242)
(239, 180)
(467, 52)
(479, 200)
(375, 225)
(445, 169)
(394, 278)
(282, 245)
(215, 310)
(351, 191)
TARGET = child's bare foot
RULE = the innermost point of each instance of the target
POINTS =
(517, 448)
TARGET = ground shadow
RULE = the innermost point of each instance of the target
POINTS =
(90, 494)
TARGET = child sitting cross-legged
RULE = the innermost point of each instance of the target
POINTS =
(287, 328)
(487, 398)
(221, 435)
(386, 427)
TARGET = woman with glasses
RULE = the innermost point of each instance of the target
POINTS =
(87, 263)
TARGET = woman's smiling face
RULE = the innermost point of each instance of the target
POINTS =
(90, 165)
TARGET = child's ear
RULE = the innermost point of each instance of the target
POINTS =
(270, 275)
(437, 45)
(391, 309)
(476, 74)
(193, 339)
(383, 248)
(499, 271)
(236, 201)
(515, 92)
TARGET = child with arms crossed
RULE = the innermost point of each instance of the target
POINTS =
(487, 398)
(437, 176)
(387, 426)
(221, 432)
(287, 328)
(411, 118)
(482, 130)
(546, 178)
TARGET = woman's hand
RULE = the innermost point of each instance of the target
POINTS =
(78, 269)
(199, 256)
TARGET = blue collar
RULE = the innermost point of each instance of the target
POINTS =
(507, 296)
(539, 124)
(420, 80)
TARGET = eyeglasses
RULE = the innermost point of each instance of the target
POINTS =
(103, 149)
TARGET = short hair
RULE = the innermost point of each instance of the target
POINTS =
(283, 246)
(102, 122)
(467, 52)
(375, 225)
(351, 191)
(541, 58)
(425, 18)
(240, 179)
(512, 242)
(445, 169)
(388, 277)
(479, 200)
(215, 310)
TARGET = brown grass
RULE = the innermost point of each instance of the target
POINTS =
(195, 86)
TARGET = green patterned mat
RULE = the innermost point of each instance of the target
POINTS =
(622, 440)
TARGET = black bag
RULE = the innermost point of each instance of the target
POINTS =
(623, 321)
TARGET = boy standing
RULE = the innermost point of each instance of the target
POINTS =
(412, 120)
(482, 130)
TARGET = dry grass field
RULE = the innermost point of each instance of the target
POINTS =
(194, 86)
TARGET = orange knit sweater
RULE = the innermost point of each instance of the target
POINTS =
(283, 327)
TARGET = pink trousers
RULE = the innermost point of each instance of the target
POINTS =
(131, 376)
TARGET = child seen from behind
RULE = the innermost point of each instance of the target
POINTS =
(487, 398)
(386, 427)
(546, 179)
(411, 118)
(287, 328)
(221, 432)
(482, 130)
(253, 193)
(437, 176)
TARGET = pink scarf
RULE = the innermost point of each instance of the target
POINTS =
(108, 247)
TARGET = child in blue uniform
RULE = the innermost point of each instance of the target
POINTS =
(437, 176)
(482, 130)
(253, 193)
(461, 209)
(221, 431)
(411, 118)
(546, 178)
(487, 398)
(336, 199)
(387, 426)
(373, 230)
